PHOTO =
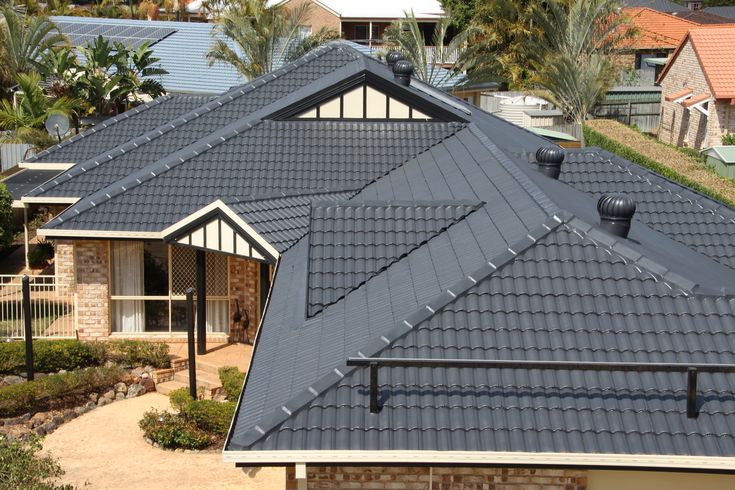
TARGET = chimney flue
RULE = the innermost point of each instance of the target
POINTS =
(402, 71)
(549, 160)
(392, 57)
(616, 212)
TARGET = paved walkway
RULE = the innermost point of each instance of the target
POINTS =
(237, 355)
(105, 449)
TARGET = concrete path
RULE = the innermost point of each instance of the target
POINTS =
(104, 449)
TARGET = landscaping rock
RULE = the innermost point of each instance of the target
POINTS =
(40, 431)
(110, 395)
(136, 390)
(57, 419)
(12, 380)
(145, 375)
(137, 372)
(103, 401)
(38, 419)
(121, 387)
(94, 397)
(148, 384)
(89, 406)
(49, 426)
(70, 414)
(21, 419)
(149, 369)
(119, 396)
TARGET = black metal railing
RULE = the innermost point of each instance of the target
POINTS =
(691, 369)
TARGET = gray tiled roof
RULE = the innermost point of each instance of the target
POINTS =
(660, 5)
(725, 11)
(128, 125)
(350, 243)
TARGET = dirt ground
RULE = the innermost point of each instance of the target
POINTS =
(104, 449)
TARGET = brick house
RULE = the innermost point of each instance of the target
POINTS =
(698, 89)
(455, 303)
(365, 22)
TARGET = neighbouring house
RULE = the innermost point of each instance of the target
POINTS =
(660, 5)
(365, 22)
(698, 89)
(454, 302)
(725, 11)
(181, 46)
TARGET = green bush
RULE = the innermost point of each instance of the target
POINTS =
(49, 356)
(21, 466)
(180, 399)
(34, 395)
(211, 416)
(172, 431)
(40, 254)
(138, 353)
(728, 139)
(6, 218)
(232, 381)
(593, 138)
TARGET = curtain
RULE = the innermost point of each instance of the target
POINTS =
(127, 280)
(218, 318)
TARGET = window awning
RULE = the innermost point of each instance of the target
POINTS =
(217, 228)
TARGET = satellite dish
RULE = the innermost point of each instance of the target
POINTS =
(57, 125)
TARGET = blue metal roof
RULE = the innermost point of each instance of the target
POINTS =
(182, 54)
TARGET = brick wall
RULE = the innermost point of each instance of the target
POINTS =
(64, 265)
(92, 280)
(691, 128)
(318, 16)
(245, 286)
(438, 478)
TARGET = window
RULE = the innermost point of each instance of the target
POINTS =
(361, 32)
(149, 282)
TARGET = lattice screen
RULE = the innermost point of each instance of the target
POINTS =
(184, 272)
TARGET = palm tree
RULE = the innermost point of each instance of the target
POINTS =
(573, 59)
(25, 121)
(263, 35)
(406, 35)
(24, 41)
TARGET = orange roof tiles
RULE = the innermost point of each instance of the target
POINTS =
(715, 48)
(656, 29)
(677, 95)
(696, 100)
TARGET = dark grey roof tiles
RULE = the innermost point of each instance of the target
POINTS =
(187, 128)
(273, 157)
(350, 243)
(566, 297)
(678, 212)
(21, 182)
(126, 126)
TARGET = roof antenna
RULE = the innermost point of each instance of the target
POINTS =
(616, 212)
(549, 160)
(392, 57)
(402, 71)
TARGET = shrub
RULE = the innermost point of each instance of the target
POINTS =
(728, 139)
(232, 381)
(138, 353)
(6, 218)
(51, 355)
(40, 254)
(172, 431)
(593, 138)
(21, 466)
(210, 416)
(33, 395)
(180, 399)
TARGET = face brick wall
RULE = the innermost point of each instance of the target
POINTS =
(691, 128)
(92, 281)
(64, 265)
(438, 478)
(318, 16)
(245, 286)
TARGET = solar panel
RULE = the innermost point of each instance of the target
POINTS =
(130, 36)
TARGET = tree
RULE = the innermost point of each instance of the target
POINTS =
(406, 36)
(322, 36)
(25, 121)
(500, 45)
(6, 218)
(572, 60)
(263, 35)
(24, 41)
(462, 12)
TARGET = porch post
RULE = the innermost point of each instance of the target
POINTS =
(25, 234)
(201, 303)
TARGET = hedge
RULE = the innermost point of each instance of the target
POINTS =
(172, 431)
(50, 356)
(20, 398)
(593, 138)
(232, 381)
(23, 465)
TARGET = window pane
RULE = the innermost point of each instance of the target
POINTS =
(155, 266)
(178, 316)
(156, 316)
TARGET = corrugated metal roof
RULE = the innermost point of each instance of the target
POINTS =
(182, 54)
(724, 153)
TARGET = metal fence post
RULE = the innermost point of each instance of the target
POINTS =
(190, 331)
(27, 327)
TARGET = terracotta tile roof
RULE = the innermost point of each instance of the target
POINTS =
(696, 99)
(714, 48)
(657, 29)
(679, 94)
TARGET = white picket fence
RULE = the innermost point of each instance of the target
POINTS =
(53, 308)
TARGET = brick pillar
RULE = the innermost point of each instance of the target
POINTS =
(93, 289)
(245, 286)
(64, 266)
